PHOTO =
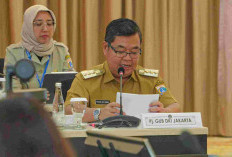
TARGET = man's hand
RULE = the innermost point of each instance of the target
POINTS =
(158, 107)
(111, 109)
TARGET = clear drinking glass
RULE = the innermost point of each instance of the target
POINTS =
(78, 106)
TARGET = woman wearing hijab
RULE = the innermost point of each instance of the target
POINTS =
(38, 45)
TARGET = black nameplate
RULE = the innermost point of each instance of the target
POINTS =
(102, 101)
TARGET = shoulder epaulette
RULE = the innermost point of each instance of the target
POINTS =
(60, 44)
(91, 73)
(14, 46)
(149, 72)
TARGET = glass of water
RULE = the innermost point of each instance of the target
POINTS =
(78, 106)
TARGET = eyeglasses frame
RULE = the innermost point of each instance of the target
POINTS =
(44, 23)
(121, 52)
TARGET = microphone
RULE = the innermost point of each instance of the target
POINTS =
(24, 69)
(120, 120)
(121, 71)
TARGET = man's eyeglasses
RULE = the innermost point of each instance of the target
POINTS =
(122, 52)
(40, 23)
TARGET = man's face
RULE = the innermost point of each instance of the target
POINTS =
(123, 43)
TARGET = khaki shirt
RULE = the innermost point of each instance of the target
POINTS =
(100, 87)
(60, 61)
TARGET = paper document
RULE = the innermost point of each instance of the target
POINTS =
(135, 104)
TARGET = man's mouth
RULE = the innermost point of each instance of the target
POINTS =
(125, 66)
(44, 36)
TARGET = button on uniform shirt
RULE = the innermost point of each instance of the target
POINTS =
(60, 61)
(99, 86)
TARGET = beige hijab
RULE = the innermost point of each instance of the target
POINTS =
(29, 40)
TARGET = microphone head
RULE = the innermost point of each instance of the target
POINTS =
(121, 70)
(24, 69)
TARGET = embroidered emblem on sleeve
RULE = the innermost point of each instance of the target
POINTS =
(149, 72)
(91, 73)
(69, 61)
(161, 89)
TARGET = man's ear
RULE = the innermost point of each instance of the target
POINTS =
(105, 47)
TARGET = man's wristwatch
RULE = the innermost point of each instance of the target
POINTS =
(96, 113)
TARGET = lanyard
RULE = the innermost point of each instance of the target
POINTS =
(37, 76)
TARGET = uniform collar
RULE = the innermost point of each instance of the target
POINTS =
(133, 76)
(34, 58)
(109, 77)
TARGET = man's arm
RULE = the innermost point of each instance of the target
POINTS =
(159, 107)
(109, 110)
(175, 107)
(78, 90)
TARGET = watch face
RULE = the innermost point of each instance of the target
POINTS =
(96, 112)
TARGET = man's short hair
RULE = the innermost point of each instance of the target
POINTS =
(121, 27)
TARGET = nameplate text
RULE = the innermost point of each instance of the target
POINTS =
(172, 120)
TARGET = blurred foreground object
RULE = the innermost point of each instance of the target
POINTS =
(26, 129)
(190, 143)
(23, 70)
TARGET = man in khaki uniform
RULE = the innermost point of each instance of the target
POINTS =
(59, 61)
(122, 48)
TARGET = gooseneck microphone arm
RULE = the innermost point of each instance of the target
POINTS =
(120, 120)
(121, 72)
(9, 73)
(121, 112)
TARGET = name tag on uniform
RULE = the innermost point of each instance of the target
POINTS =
(102, 102)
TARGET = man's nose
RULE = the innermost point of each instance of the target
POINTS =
(127, 57)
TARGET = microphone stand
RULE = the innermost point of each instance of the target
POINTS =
(121, 111)
(9, 73)
(120, 120)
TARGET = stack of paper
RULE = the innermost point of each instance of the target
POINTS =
(135, 104)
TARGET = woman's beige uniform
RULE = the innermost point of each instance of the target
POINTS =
(59, 61)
